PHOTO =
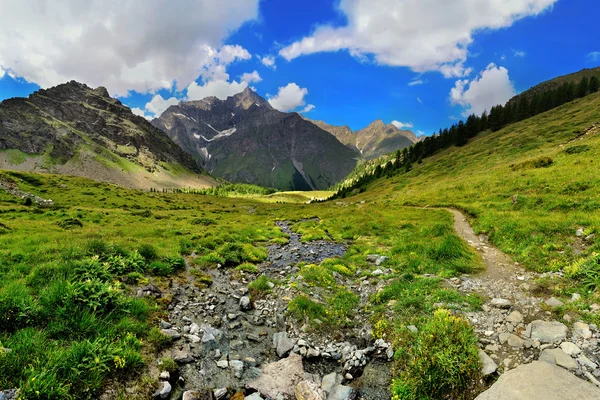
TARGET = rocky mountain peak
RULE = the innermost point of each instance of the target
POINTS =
(247, 98)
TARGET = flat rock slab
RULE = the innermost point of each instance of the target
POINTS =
(280, 377)
(548, 331)
(540, 381)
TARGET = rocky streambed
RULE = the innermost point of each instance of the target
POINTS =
(228, 346)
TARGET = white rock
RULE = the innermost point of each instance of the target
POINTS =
(501, 303)
(570, 348)
(582, 329)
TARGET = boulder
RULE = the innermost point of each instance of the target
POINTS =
(330, 380)
(515, 318)
(548, 331)
(172, 333)
(279, 377)
(309, 390)
(570, 348)
(540, 380)
(488, 365)
(501, 303)
(197, 395)
(254, 396)
(164, 391)
(553, 302)
(282, 344)
(341, 392)
(582, 329)
(558, 357)
(245, 303)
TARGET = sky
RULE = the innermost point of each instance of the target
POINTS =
(420, 64)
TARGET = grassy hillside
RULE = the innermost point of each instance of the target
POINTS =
(530, 187)
(69, 274)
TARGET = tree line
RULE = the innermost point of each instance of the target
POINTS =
(458, 134)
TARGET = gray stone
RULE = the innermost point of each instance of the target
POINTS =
(548, 331)
(372, 257)
(381, 260)
(282, 344)
(164, 391)
(515, 318)
(330, 380)
(280, 377)
(340, 392)
(309, 390)
(164, 376)
(254, 396)
(501, 303)
(194, 329)
(172, 333)
(583, 360)
(553, 302)
(558, 357)
(164, 324)
(488, 365)
(413, 329)
(515, 341)
(570, 348)
(220, 393)
(196, 395)
(238, 367)
(245, 303)
(540, 380)
(377, 272)
(312, 353)
(182, 357)
(582, 329)
(223, 364)
(10, 394)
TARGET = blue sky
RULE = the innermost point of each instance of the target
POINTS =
(422, 64)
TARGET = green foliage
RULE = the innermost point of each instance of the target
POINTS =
(317, 275)
(303, 308)
(70, 223)
(237, 189)
(158, 340)
(203, 221)
(577, 149)
(442, 363)
(247, 267)
(260, 285)
(148, 252)
(17, 306)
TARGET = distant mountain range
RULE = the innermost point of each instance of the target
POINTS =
(244, 139)
(374, 141)
(76, 130)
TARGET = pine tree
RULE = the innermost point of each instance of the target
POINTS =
(583, 87)
(594, 84)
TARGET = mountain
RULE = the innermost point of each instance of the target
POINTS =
(553, 84)
(76, 130)
(373, 141)
(244, 139)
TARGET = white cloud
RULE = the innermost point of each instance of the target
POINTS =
(1, 73)
(420, 133)
(250, 77)
(419, 100)
(593, 56)
(308, 108)
(158, 105)
(142, 45)
(229, 54)
(424, 35)
(416, 82)
(268, 61)
(220, 89)
(141, 113)
(288, 97)
(491, 87)
(519, 53)
(402, 125)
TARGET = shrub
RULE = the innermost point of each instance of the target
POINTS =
(317, 275)
(158, 340)
(133, 278)
(148, 251)
(96, 294)
(247, 267)
(577, 149)
(203, 221)
(442, 363)
(302, 308)
(342, 306)
(17, 307)
(260, 286)
(161, 268)
(176, 262)
(168, 364)
(70, 223)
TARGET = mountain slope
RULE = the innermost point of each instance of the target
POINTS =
(73, 129)
(243, 139)
(374, 141)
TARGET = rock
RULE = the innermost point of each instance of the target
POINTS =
(164, 324)
(312, 353)
(282, 344)
(220, 393)
(570, 348)
(501, 303)
(548, 332)
(377, 272)
(309, 390)
(194, 329)
(279, 377)
(582, 329)
(381, 260)
(172, 333)
(10, 394)
(515, 341)
(553, 302)
(197, 395)
(540, 380)
(164, 376)
(372, 258)
(488, 365)
(245, 303)
(558, 357)
(211, 336)
(182, 357)
(223, 364)
(193, 338)
(514, 318)
(238, 367)
(579, 232)
(583, 360)
(341, 392)
(254, 396)
(575, 297)
(413, 329)
(164, 391)
(330, 380)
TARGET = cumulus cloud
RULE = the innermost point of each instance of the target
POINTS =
(220, 89)
(141, 113)
(268, 61)
(491, 87)
(250, 77)
(288, 97)
(308, 108)
(423, 35)
(593, 56)
(158, 104)
(402, 125)
(141, 45)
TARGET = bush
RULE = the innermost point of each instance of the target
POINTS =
(247, 267)
(203, 221)
(442, 363)
(158, 340)
(302, 308)
(17, 307)
(317, 275)
(577, 149)
(260, 286)
(148, 251)
(70, 223)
